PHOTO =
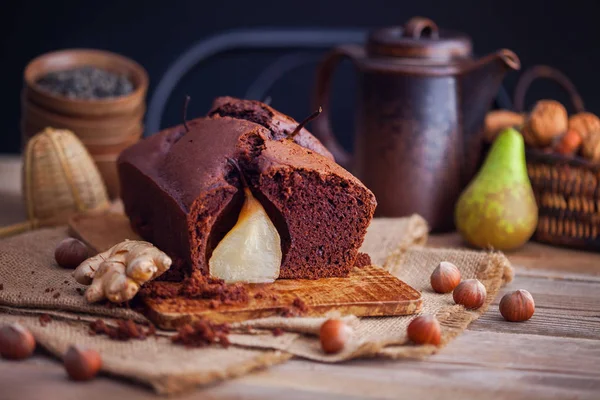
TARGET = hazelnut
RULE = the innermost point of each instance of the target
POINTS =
(547, 120)
(70, 253)
(517, 306)
(424, 330)
(82, 364)
(584, 123)
(569, 143)
(16, 342)
(470, 293)
(334, 335)
(445, 277)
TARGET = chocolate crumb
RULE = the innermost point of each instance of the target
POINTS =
(300, 305)
(125, 330)
(297, 309)
(277, 331)
(362, 260)
(198, 286)
(56, 295)
(1, 286)
(32, 272)
(47, 290)
(66, 281)
(45, 319)
(213, 304)
(202, 333)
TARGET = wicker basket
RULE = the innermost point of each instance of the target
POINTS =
(566, 189)
(59, 180)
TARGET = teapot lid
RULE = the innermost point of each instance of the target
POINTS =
(418, 38)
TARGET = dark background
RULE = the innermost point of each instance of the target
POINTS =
(562, 34)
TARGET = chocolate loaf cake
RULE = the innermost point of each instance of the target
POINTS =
(181, 193)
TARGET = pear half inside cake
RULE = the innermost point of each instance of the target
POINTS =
(251, 251)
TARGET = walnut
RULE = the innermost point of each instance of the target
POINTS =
(585, 123)
(591, 146)
(118, 273)
(496, 121)
(547, 121)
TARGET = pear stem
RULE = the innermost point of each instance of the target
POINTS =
(185, 107)
(302, 124)
(235, 164)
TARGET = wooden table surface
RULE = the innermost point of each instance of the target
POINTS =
(554, 355)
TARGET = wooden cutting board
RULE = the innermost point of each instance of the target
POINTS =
(369, 291)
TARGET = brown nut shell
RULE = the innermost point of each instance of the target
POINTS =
(81, 363)
(334, 334)
(547, 121)
(424, 330)
(585, 123)
(445, 277)
(16, 342)
(590, 147)
(517, 306)
(70, 253)
(470, 293)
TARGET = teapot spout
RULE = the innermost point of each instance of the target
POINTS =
(479, 85)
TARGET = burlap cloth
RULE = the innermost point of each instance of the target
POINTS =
(33, 284)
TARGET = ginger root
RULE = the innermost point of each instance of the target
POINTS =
(118, 273)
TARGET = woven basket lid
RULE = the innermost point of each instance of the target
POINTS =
(59, 176)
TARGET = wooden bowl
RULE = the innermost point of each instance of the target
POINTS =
(74, 58)
(110, 129)
(105, 126)
(114, 148)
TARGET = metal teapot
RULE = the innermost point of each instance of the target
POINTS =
(421, 106)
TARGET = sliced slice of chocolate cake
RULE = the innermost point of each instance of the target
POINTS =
(182, 192)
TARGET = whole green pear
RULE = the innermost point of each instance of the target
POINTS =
(498, 210)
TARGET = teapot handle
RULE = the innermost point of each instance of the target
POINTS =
(322, 126)
(544, 71)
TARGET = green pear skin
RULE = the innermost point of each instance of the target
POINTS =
(498, 209)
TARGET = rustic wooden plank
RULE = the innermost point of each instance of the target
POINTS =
(549, 322)
(559, 275)
(523, 352)
(536, 255)
(564, 307)
(558, 293)
(395, 380)
(477, 365)
(368, 291)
